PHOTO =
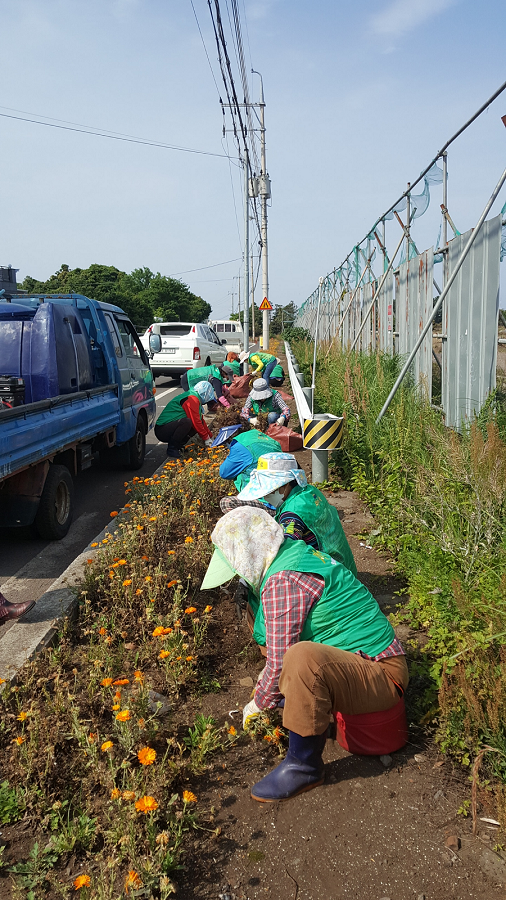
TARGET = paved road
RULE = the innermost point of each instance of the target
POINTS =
(28, 567)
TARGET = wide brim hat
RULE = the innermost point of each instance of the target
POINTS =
(261, 390)
(219, 571)
(243, 355)
(273, 471)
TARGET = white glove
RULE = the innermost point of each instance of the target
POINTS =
(208, 442)
(254, 421)
(249, 713)
(280, 421)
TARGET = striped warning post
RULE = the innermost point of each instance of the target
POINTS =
(323, 434)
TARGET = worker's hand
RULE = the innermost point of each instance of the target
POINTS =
(253, 421)
(280, 421)
(249, 713)
(208, 442)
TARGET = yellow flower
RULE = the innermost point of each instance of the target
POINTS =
(22, 716)
(163, 654)
(152, 518)
(116, 707)
(123, 716)
(115, 793)
(208, 609)
(190, 609)
(148, 578)
(2, 680)
(82, 881)
(132, 881)
(146, 804)
(188, 540)
(188, 797)
(138, 591)
(146, 756)
(107, 745)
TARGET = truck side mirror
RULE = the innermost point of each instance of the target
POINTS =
(155, 343)
(224, 341)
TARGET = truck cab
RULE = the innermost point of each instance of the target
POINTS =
(230, 334)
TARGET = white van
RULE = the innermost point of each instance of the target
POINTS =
(185, 345)
(229, 333)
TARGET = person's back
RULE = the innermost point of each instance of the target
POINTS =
(309, 506)
(245, 451)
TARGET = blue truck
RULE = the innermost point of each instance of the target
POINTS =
(75, 381)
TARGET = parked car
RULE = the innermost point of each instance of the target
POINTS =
(185, 345)
(230, 333)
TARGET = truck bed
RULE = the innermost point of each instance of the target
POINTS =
(36, 431)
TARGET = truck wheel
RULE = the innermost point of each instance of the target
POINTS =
(137, 445)
(55, 511)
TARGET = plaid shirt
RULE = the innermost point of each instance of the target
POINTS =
(287, 599)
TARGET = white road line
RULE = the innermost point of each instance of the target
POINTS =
(168, 391)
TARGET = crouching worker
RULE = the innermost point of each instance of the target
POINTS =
(233, 362)
(264, 362)
(217, 376)
(302, 510)
(262, 399)
(245, 451)
(183, 418)
(329, 646)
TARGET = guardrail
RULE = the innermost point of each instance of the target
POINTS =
(321, 432)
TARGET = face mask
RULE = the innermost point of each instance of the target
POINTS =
(275, 499)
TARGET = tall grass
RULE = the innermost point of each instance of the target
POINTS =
(439, 498)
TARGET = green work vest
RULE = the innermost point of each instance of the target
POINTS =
(323, 520)
(233, 364)
(266, 406)
(277, 372)
(203, 373)
(346, 615)
(265, 357)
(257, 444)
(174, 409)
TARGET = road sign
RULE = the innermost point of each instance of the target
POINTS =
(265, 305)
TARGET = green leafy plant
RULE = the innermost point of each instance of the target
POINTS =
(12, 804)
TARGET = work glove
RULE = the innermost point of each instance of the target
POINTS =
(249, 713)
(280, 421)
(208, 442)
(253, 421)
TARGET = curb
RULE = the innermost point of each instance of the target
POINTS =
(39, 627)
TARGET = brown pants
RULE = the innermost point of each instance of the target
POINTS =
(317, 681)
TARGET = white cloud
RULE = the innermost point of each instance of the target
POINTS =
(401, 16)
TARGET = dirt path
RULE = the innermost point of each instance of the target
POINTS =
(370, 832)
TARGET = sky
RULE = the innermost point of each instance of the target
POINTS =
(359, 99)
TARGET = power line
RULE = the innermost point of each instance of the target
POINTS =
(116, 137)
(214, 266)
(205, 49)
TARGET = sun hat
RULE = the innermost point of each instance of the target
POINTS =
(261, 390)
(243, 355)
(205, 391)
(246, 542)
(273, 471)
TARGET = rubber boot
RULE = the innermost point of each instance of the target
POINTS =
(301, 770)
(173, 452)
(13, 610)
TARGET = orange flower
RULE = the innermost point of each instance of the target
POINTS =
(128, 795)
(122, 562)
(113, 513)
(19, 741)
(82, 881)
(102, 630)
(163, 654)
(115, 793)
(148, 578)
(138, 676)
(116, 707)
(232, 730)
(146, 756)
(152, 518)
(91, 738)
(127, 582)
(208, 609)
(89, 561)
(170, 552)
(121, 681)
(132, 881)
(146, 804)
(95, 544)
(123, 716)
(161, 630)
(138, 591)
(188, 540)
(172, 583)
(145, 558)
(190, 609)
(188, 797)
(106, 682)
(141, 723)
(107, 745)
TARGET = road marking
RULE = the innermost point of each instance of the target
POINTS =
(168, 391)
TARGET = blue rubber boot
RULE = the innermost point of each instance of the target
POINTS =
(173, 452)
(301, 770)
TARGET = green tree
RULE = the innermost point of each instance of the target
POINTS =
(282, 317)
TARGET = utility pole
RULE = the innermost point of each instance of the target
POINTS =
(252, 300)
(246, 250)
(239, 297)
(264, 189)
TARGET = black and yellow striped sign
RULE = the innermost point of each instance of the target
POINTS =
(323, 434)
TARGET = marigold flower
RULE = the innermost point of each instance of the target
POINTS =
(95, 544)
(89, 561)
(145, 558)
(132, 881)
(107, 745)
(127, 582)
(102, 630)
(22, 716)
(188, 797)
(123, 716)
(146, 756)
(146, 804)
(138, 675)
(108, 639)
(106, 682)
(138, 591)
(148, 578)
(141, 723)
(121, 681)
(92, 738)
(115, 793)
(172, 583)
(170, 552)
(19, 741)
(152, 518)
(122, 562)
(190, 609)
(232, 730)
(2, 680)
(208, 609)
(113, 513)
(116, 707)
(140, 528)
(189, 658)
(188, 540)
(82, 881)
(163, 654)
(128, 795)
